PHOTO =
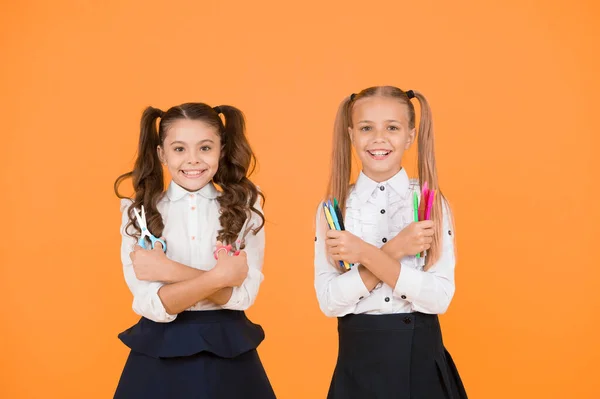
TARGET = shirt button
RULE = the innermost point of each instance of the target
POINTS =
(381, 188)
(360, 299)
(192, 196)
(193, 237)
(449, 232)
(403, 297)
(407, 320)
(315, 239)
(193, 208)
(387, 298)
(384, 239)
(382, 211)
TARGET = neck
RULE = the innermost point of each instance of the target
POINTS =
(189, 190)
(380, 176)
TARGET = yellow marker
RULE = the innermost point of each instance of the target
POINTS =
(329, 218)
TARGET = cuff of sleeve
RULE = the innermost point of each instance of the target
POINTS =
(234, 300)
(238, 294)
(409, 283)
(351, 287)
(156, 309)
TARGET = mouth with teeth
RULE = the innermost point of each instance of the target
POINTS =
(379, 154)
(193, 173)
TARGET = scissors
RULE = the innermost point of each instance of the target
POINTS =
(145, 233)
(236, 247)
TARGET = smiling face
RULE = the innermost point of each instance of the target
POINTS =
(380, 134)
(191, 150)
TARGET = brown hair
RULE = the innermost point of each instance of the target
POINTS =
(237, 162)
(341, 160)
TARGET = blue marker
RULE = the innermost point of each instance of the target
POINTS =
(334, 215)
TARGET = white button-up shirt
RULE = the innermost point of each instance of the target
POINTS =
(376, 212)
(191, 223)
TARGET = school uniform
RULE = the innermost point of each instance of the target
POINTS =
(207, 351)
(390, 342)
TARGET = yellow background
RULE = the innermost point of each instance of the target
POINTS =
(514, 91)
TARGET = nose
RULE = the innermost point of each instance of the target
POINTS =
(194, 159)
(379, 135)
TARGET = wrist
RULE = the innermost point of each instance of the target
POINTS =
(168, 269)
(216, 277)
(365, 252)
(392, 248)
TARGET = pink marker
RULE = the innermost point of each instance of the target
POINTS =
(429, 205)
(424, 197)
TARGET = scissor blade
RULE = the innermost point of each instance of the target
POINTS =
(242, 234)
(143, 216)
(137, 216)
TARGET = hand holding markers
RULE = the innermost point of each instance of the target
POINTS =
(335, 221)
(411, 240)
(422, 212)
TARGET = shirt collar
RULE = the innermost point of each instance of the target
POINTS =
(175, 192)
(365, 186)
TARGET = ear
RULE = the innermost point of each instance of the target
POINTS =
(411, 138)
(161, 154)
(350, 134)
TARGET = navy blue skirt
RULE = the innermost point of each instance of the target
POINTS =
(399, 356)
(199, 355)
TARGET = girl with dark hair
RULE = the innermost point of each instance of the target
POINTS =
(193, 339)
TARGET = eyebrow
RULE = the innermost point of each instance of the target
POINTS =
(200, 142)
(388, 120)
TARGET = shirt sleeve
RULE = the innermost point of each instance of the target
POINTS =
(431, 291)
(243, 297)
(338, 292)
(146, 301)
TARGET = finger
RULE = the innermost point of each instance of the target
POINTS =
(132, 256)
(428, 232)
(336, 257)
(334, 234)
(426, 224)
(243, 254)
(333, 252)
(428, 240)
(332, 242)
(137, 248)
(221, 252)
(158, 246)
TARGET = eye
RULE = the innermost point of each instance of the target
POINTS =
(365, 129)
(178, 149)
(393, 128)
(205, 148)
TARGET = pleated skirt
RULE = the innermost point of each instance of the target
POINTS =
(200, 355)
(394, 356)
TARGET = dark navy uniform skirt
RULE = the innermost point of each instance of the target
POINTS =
(199, 355)
(393, 356)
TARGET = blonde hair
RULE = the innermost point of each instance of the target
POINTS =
(341, 159)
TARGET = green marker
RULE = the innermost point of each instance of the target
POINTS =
(416, 211)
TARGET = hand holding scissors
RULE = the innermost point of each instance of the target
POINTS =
(236, 247)
(141, 220)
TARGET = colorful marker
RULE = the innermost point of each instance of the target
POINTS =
(430, 204)
(416, 211)
(332, 226)
(338, 212)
